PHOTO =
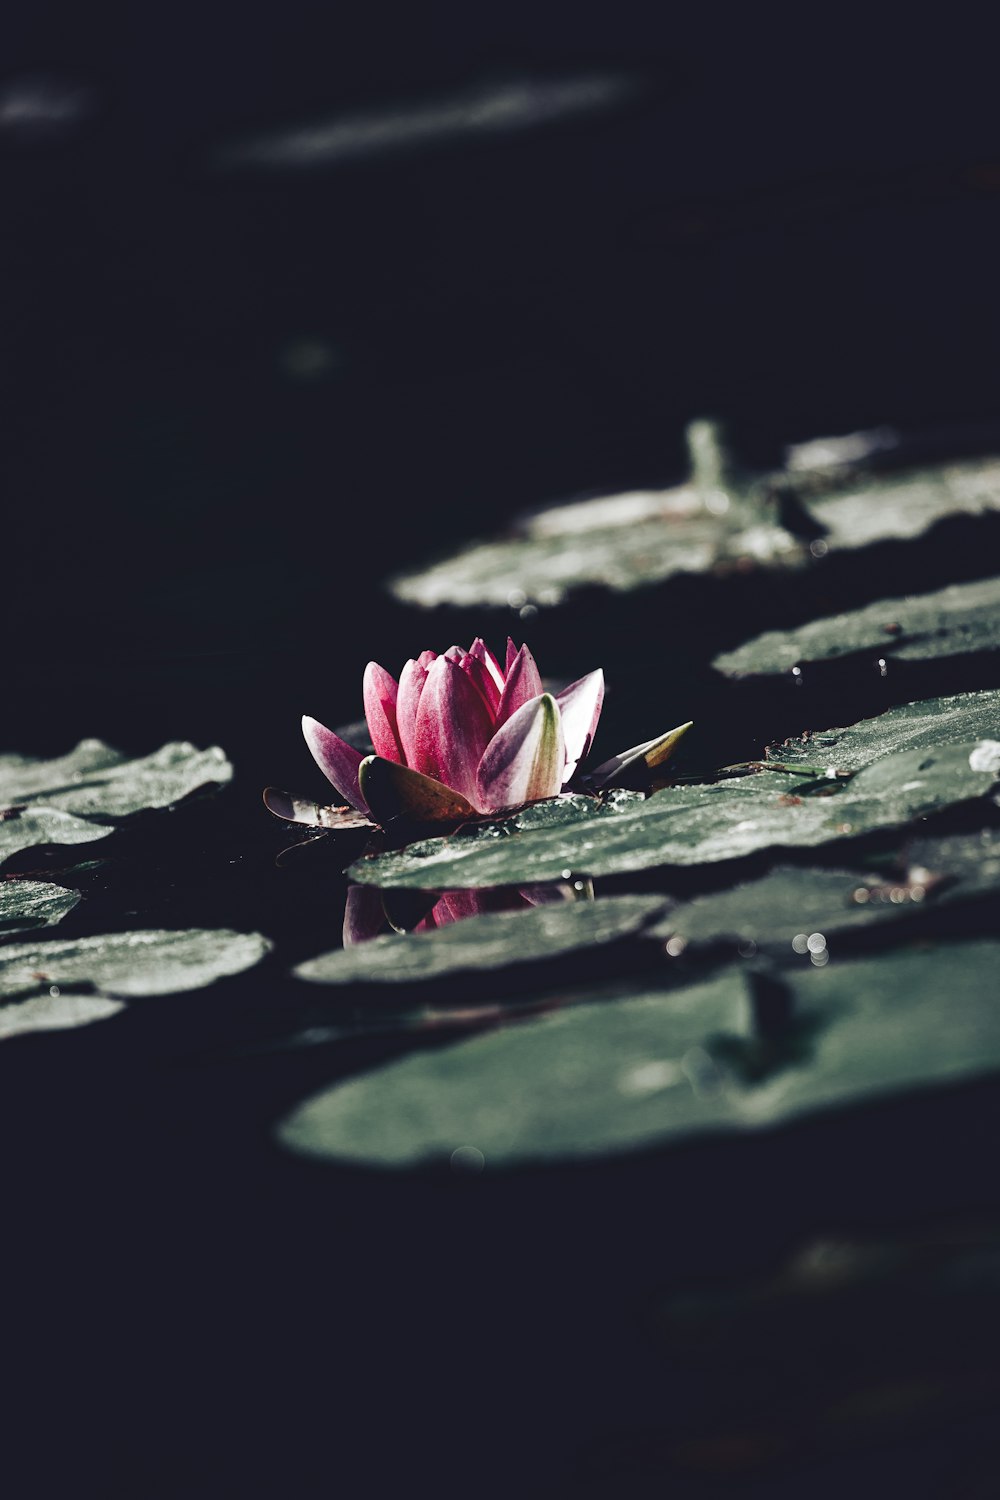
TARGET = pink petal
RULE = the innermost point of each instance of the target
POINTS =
(426, 657)
(364, 917)
(524, 760)
(480, 675)
(381, 691)
(482, 652)
(411, 685)
(523, 683)
(453, 728)
(580, 705)
(511, 653)
(338, 760)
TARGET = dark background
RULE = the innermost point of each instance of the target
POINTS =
(235, 399)
(238, 397)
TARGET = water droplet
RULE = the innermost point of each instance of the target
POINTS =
(815, 942)
(527, 612)
(800, 943)
(675, 946)
(747, 948)
(883, 670)
(467, 1159)
(55, 991)
(516, 598)
(818, 548)
(567, 874)
(861, 895)
(819, 960)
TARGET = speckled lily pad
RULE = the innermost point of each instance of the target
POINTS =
(26, 904)
(129, 964)
(954, 621)
(71, 799)
(702, 824)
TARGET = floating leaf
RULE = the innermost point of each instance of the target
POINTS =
(950, 622)
(641, 538)
(686, 825)
(130, 964)
(55, 1012)
(33, 903)
(48, 801)
(24, 827)
(493, 940)
(783, 908)
(94, 781)
(654, 1068)
(931, 723)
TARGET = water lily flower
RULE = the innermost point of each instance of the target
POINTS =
(459, 735)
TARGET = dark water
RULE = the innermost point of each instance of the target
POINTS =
(236, 402)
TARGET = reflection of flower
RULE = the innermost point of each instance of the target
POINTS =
(365, 914)
(465, 725)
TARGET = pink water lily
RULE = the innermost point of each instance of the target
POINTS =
(475, 737)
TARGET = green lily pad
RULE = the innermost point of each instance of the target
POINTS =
(53, 801)
(905, 506)
(94, 781)
(689, 825)
(928, 724)
(129, 964)
(715, 524)
(58, 1012)
(950, 622)
(23, 828)
(787, 905)
(620, 542)
(491, 940)
(33, 903)
(654, 1068)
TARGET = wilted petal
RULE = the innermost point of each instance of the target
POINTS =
(338, 760)
(381, 691)
(524, 682)
(524, 760)
(393, 791)
(580, 705)
(453, 727)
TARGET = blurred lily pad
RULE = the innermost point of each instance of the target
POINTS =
(50, 801)
(33, 903)
(654, 1068)
(950, 622)
(24, 827)
(492, 940)
(127, 964)
(928, 724)
(692, 825)
(55, 1012)
(714, 524)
